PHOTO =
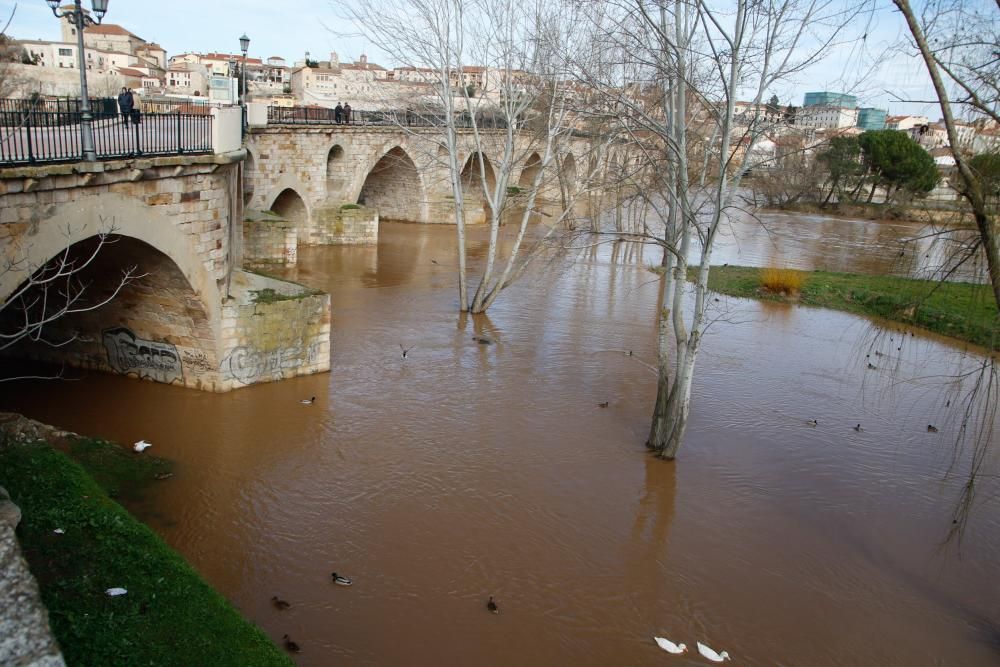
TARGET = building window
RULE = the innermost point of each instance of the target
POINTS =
(65, 52)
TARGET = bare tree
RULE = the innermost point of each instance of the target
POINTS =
(964, 54)
(50, 290)
(517, 113)
(679, 66)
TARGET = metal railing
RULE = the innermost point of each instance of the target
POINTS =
(405, 118)
(42, 137)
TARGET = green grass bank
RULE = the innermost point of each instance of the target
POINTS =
(964, 311)
(169, 616)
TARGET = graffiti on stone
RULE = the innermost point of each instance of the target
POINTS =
(247, 364)
(196, 362)
(131, 355)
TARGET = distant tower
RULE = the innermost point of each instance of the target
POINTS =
(67, 28)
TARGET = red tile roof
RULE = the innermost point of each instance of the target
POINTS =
(109, 29)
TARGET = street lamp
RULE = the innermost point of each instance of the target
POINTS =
(80, 19)
(244, 46)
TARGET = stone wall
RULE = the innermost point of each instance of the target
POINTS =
(25, 637)
(268, 240)
(274, 330)
(346, 224)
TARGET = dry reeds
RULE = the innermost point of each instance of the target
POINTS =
(782, 281)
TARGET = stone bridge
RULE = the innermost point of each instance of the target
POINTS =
(193, 316)
(307, 174)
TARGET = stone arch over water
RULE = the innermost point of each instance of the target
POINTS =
(153, 326)
(529, 171)
(290, 206)
(393, 187)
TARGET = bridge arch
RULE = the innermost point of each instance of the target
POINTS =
(162, 325)
(529, 171)
(123, 216)
(290, 206)
(471, 175)
(394, 187)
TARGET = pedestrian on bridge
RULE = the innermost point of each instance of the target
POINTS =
(338, 114)
(125, 104)
(347, 113)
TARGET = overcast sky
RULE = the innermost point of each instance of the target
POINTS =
(289, 28)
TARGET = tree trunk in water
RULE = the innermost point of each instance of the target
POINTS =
(871, 193)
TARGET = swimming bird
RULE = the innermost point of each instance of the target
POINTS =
(669, 646)
(340, 580)
(163, 475)
(872, 367)
(279, 603)
(308, 401)
(406, 350)
(858, 428)
(812, 422)
(59, 531)
(492, 605)
(434, 261)
(931, 428)
(604, 404)
(141, 446)
(291, 646)
(114, 592)
(711, 654)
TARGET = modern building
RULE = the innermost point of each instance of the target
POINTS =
(826, 99)
(823, 117)
(871, 119)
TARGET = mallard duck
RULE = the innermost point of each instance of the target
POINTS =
(141, 446)
(340, 580)
(711, 654)
(492, 606)
(812, 422)
(279, 603)
(308, 401)
(291, 646)
(669, 646)
(931, 428)
(858, 428)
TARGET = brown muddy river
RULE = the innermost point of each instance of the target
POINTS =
(467, 470)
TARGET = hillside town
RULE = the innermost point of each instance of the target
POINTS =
(116, 57)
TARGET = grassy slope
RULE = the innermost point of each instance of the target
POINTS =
(960, 310)
(170, 616)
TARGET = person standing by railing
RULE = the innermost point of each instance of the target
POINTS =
(338, 114)
(125, 104)
(347, 113)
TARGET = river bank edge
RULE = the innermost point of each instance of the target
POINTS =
(878, 212)
(169, 615)
(962, 311)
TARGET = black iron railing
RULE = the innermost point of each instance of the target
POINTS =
(40, 137)
(405, 118)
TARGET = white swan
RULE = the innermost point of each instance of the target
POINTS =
(116, 591)
(711, 654)
(141, 445)
(669, 646)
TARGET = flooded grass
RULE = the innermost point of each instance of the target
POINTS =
(965, 311)
(169, 616)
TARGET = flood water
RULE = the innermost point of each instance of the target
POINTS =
(471, 470)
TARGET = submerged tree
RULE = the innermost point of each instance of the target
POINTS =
(680, 67)
(488, 142)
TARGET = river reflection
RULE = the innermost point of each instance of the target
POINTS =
(469, 470)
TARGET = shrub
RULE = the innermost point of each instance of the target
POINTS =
(781, 281)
